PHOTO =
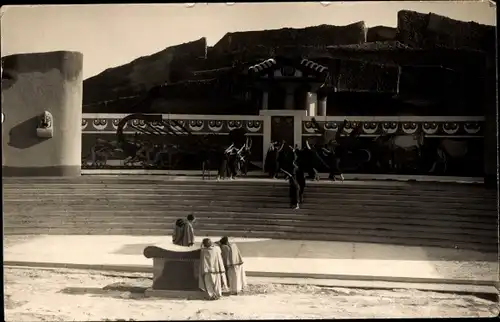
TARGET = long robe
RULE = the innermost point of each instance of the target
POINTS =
(301, 180)
(233, 264)
(183, 235)
(294, 191)
(212, 279)
(271, 165)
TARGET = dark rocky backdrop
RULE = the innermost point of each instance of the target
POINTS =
(194, 78)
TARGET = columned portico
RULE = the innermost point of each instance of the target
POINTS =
(292, 77)
(289, 88)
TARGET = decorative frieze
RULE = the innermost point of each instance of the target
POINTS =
(402, 127)
(110, 124)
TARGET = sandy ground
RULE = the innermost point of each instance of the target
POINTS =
(39, 295)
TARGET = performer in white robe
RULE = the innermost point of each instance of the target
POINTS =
(233, 263)
(212, 278)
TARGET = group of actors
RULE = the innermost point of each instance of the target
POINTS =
(228, 167)
(221, 263)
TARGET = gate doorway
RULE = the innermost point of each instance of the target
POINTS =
(282, 129)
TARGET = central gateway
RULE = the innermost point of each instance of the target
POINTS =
(290, 84)
(292, 88)
(282, 129)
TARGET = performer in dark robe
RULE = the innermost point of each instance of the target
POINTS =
(284, 158)
(212, 275)
(272, 165)
(301, 180)
(334, 155)
(294, 189)
(309, 161)
(183, 234)
(233, 162)
(224, 163)
(231, 155)
(270, 156)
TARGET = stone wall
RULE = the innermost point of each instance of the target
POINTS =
(144, 73)
(32, 84)
(381, 33)
(318, 36)
(429, 30)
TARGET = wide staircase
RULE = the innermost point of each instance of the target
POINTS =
(418, 214)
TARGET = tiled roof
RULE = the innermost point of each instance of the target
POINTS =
(310, 64)
(261, 66)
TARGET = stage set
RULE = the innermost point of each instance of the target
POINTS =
(420, 98)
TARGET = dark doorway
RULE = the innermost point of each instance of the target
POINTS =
(300, 99)
(282, 128)
(276, 98)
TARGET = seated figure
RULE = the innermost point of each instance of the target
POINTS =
(183, 233)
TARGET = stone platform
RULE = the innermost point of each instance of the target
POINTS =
(350, 264)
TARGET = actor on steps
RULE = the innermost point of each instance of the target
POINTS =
(212, 277)
(233, 264)
(301, 180)
(183, 234)
(294, 189)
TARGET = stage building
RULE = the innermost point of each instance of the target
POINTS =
(429, 84)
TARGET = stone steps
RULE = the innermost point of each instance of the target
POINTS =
(269, 219)
(279, 206)
(249, 193)
(209, 193)
(241, 183)
(337, 209)
(407, 214)
(337, 190)
(406, 209)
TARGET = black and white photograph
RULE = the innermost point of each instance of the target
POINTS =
(228, 161)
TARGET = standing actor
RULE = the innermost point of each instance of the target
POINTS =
(294, 190)
(212, 279)
(233, 263)
(301, 180)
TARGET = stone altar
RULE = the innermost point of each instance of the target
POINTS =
(175, 270)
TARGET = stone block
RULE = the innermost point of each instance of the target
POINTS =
(174, 269)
